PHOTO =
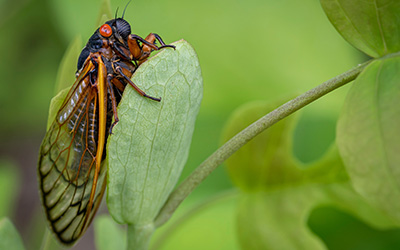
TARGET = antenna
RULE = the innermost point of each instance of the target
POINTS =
(116, 13)
(123, 14)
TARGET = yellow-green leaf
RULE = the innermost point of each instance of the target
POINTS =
(372, 26)
(151, 141)
(368, 135)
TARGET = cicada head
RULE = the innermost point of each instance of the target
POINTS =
(123, 27)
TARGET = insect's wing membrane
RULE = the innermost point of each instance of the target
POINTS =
(67, 162)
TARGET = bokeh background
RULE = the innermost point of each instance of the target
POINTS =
(248, 50)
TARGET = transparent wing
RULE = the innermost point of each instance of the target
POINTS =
(67, 163)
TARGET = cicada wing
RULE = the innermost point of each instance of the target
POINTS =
(67, 163)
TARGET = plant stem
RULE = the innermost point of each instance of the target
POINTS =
(46, 241)
(239, 140)
(139, 236)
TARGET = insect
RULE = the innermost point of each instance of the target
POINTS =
(71, 178)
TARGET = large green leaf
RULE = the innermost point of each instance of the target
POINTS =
(372, 26)
(368, 135)
(280, 193)
(151, 141)
(9, 236)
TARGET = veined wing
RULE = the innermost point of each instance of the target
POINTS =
(71, 180)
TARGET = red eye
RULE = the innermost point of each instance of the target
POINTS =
(105, 30)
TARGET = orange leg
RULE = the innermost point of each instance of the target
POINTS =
(142, 52)
(141, 92)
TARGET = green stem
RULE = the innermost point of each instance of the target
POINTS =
(139, 236)
(230, 147)
(46, 241)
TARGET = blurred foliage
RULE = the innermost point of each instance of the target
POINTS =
(9, 180)
(267, 160)
(341, 231)
(279, 192)
(9, 236)
(67, 69)
(109, 235)
(248, 50)
(208, 225)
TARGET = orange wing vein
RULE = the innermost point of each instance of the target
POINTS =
(72, 182)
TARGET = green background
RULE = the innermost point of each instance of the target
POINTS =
(248, 50)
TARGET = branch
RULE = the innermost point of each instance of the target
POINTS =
(239, 140)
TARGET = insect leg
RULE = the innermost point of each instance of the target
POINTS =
(113, 102)
(141, 92)
(124, 52)
(151, 38)
(142, 52)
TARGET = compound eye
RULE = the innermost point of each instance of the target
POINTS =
(105, 30)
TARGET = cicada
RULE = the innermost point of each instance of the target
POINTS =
(71, 177)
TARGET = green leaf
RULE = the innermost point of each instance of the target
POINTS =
(108, 234)
(368, 135)
(278, 219)
(248, 166)
(55, 105)
(267, 161)
(68, 66)
(151, 141)
(105, 12)
(80, 17)
(280, 193)
(65, 77)
(9, 183)
(372, 26)
(9, 236)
